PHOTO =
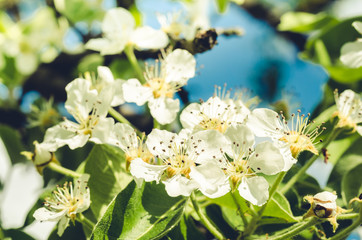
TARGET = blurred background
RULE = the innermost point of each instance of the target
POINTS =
(287, 60)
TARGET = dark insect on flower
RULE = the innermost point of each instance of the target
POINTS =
(325, 154)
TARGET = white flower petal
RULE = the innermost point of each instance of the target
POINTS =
(214, 108)
(118, 21)
(133, 91)
(124, 135)
(179, 185)
(284, 149)
(359, 130)
(148, 172)
(149, 38)
(105, 75)
(211, 145)
(351, 54)
(190, 116)
(118, 98)
(63, 224)
(42, 153)
(158, 140)
(58, 136)
(358, 26)
(43, 214)
(212, 181)
(164, 110)
(102, 131)
(349, 105)
(106, 46)
(265, 123)
(80, 99)
(255, 190)
(180, 66)
(267, 159)
(241, 135)
(81, 191)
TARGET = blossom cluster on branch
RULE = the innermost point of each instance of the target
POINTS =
(212, 148)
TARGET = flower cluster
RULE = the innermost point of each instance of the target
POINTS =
(66, 203)
(221, 144)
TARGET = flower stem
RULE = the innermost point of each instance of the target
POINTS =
(335, 132)
(133, 60)
(296, 229)
(122, 119)
(245, 221)
(204, 220)
(65, 171)
(253, 223)
(82, 219)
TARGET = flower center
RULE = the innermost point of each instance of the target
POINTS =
(179, 164)
(160, 88)
(298, 143)
(213, 123)
(300, 136)
(237, 170)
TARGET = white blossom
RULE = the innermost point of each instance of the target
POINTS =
(89, 109)
(125, 137)
(119, 30)
(298, 134)
(215, 114)
(241, 164)
(65, 203)
(177, 156)
(349, 110)
(163, 80)
(106, 81)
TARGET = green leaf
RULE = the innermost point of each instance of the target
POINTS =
(302, 22)
(343, 166)
(106, 166)
(352, 183)
(279, 207)
(185, 229)
(145, 212)
(72, 232)
(16, 234)
(121, 68)
(215, 214)
(337, 148)
(12, 142)
(90, 10)
(333, 37)
(90, 63)
(222, 5)
(233, 218)
(345, 74)
(322, 53)
(227, 201)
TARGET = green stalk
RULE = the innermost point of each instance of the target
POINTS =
(335, 132)
(116, 115)
(156, 124)
(253, 223)
(133, 61)
(296, 229)
(82, 219)
(65, 171)
(204, 220)
(245, 221)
